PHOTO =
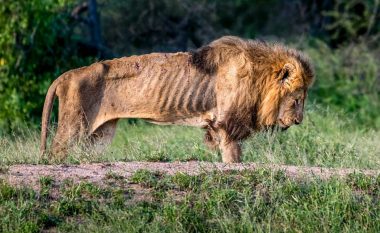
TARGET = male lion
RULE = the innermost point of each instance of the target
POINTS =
(231, 87)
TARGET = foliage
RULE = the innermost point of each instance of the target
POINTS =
(36, 45)
(350, 20)
(172, 25)
(347, 78)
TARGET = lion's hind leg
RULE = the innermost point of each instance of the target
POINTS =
(72, 129)
(67, 134)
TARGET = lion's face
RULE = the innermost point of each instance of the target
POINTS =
(291, 109)
(283, 104)
(291, 104)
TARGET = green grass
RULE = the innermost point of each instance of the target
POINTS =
(259, 201)
(248, 201)
(325, 138)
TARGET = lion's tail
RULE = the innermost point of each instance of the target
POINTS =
(48, 105)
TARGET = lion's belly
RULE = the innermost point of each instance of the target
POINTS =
(198, 121)
(194, 121)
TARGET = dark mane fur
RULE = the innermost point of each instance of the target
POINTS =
(199, 59)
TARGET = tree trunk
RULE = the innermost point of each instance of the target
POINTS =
(95, 30)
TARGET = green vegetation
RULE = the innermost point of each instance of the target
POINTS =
(36, 46)
(348, 79)
(39, 40)
(235, 202)
(325, 138)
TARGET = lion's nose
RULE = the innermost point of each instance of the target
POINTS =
(297, 121)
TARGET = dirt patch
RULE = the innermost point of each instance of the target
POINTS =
(99, 173)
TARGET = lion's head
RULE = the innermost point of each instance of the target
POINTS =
(284, 98)
(269, 82)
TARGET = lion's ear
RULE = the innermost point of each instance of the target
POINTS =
(286, 73)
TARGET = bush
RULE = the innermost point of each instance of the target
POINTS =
(348, 78)
(36, 45)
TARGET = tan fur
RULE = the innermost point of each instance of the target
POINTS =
(231, 87)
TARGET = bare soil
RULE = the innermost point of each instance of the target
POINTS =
(100, 173)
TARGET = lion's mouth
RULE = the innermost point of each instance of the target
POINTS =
(282, 125)
(284, 128)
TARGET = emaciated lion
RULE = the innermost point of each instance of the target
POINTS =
(230, 87)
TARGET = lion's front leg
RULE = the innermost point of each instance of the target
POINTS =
(211, 139)
(231, 149)
(231, 152)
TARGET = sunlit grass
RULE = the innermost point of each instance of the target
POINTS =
(325, 138)
(261, 200)
(245, 201)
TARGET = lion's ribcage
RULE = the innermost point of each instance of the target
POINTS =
(183, 91)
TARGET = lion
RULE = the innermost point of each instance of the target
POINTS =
(232, 87)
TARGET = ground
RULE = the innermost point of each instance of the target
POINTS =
(98, 173)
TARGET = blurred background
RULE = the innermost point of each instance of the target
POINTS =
(41, 39)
